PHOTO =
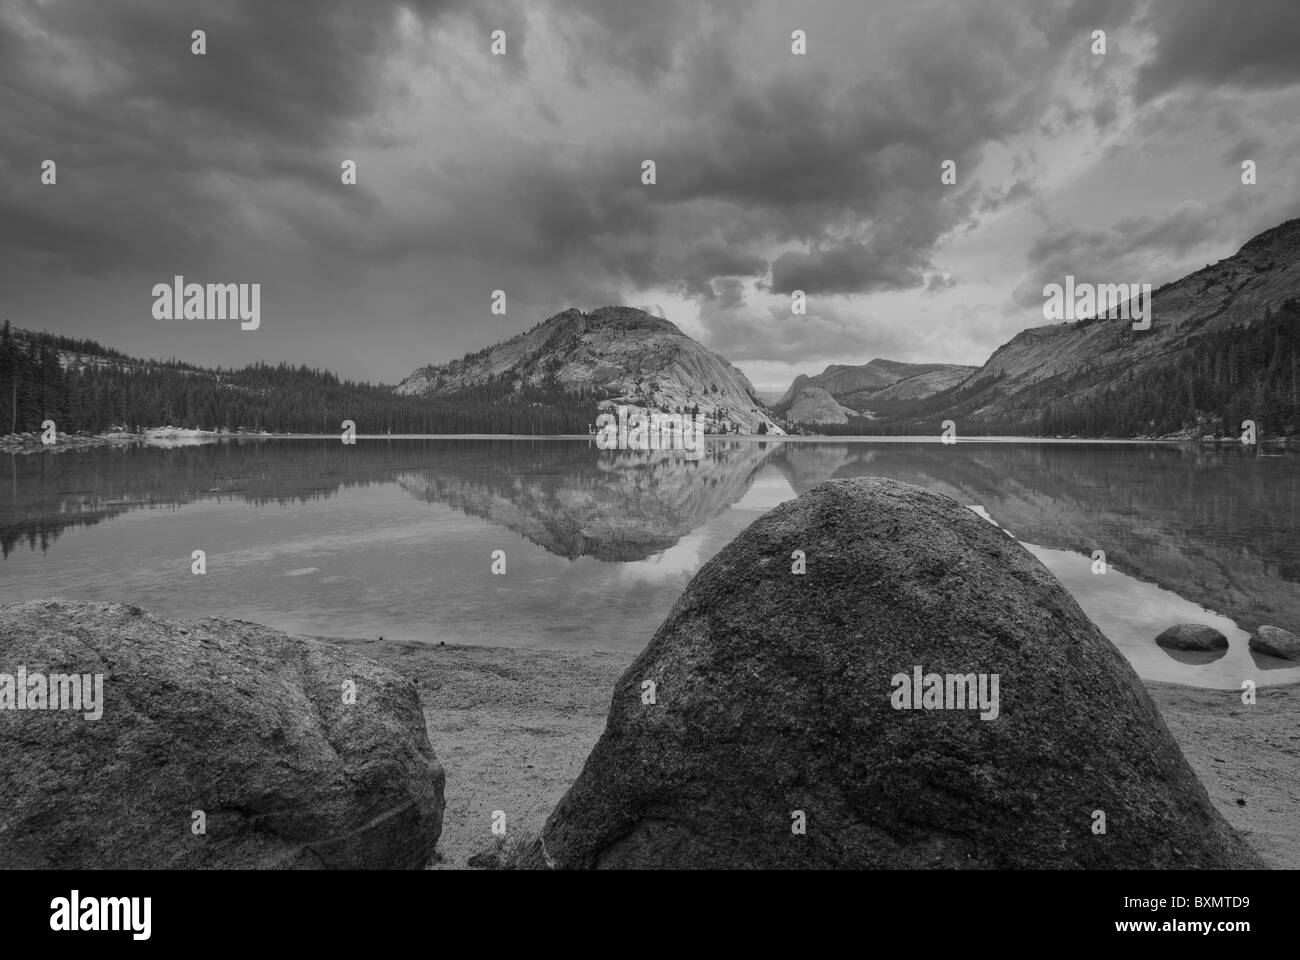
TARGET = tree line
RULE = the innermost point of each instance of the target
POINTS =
(87, 388)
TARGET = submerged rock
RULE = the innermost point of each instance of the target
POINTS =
(219, 744)
(1276, 642)
(925, 695)
(1192, 636)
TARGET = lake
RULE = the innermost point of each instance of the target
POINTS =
(395, 537)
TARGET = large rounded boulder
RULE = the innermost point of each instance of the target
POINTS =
(924, 695)
(211, 743)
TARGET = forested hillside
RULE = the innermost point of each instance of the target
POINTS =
(85, 387)
(1219, 378)
(1223, 347)
(1246, 372)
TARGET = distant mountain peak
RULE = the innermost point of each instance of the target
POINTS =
(631, 317)
(853, 386)
(618, 355)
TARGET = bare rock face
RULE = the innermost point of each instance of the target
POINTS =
(815, 405)
(1192, 636)
(246, 724)
(622, 354)
(786, 720)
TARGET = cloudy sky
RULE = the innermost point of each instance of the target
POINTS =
(522, 172)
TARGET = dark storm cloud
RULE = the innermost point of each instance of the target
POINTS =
(805, 162)
(713, 268)
(782, 155)
(143, 130)
(293, 71)
(1205, 43)
(775, 172)
(853, 267)
(286, 85)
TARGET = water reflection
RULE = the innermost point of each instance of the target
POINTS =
(392, 536)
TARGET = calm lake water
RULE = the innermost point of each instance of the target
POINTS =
(394, 537)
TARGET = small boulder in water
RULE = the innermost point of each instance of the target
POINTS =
(1192, 636)
(1276, 642)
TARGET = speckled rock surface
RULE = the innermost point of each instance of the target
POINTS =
(774, 697)
(1276, 642)
(241, 722)
(1192, 636)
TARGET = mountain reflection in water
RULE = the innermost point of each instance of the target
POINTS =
(395, 537)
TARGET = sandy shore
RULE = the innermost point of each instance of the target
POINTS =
(1248, 757)
(513, 727)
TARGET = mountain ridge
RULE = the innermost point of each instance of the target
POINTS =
(1223, 347)
(854, 386)
(1068, 365)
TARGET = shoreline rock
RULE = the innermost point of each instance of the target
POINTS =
(221, 724)
(29, 442)
(1192, 636)
(773, 703)
(514, 725)
(1276, 642)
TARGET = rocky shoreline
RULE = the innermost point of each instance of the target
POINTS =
(29, 442)
(171, 436)
(513, 728)
(914, 690)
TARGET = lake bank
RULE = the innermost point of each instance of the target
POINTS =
(29, 442)
(513, 728)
